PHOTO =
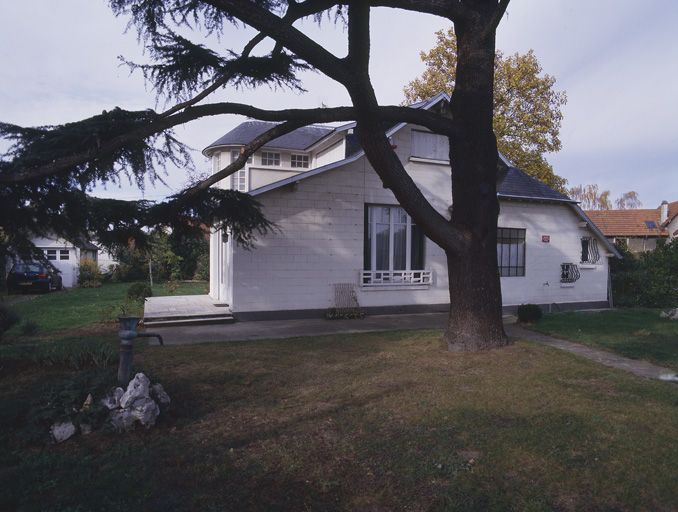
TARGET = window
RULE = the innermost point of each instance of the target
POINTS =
(239, 179)
(63, 254)
(511, 252)
(268, 158)
(216, 163)
(569, 273)
(430, 145)
(392, 240)
(51, 254)
(300, 161)
(589, 250)
(235, 154)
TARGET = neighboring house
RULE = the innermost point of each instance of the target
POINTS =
(639, 229)
(66, 255)
(343, 240)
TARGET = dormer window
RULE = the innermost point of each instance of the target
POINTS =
(270, 159)
(430, 146)
(300, 161)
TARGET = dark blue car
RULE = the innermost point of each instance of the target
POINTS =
(33, 276)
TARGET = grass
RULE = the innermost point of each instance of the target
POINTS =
(634, 333)
(79, 311)
(378, 421)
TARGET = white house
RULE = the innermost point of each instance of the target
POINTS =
(65, 255)
(343, 238)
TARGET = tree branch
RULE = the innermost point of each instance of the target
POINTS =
(425, 118)
(499, 12)
(248, 150)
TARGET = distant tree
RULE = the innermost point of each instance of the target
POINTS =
(592, 198)
(628, 200)
(527, 113)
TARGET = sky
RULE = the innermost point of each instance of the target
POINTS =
(617, 62)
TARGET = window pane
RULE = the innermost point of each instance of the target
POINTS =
(382, 231)
(417, 250)
(400, 246)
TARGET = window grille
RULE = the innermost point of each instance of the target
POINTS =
(511, 252)
(63, 254)
(569, 273)
(589, 250)
(51, 254)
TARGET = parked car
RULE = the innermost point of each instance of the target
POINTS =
(33, 276)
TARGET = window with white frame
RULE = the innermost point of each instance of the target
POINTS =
(430, 146)
(64, 254)
(51, 254)
(239, 179)
(299, 161)
(394, 248)
(269, 158)
(511, 252)
(235, 154)
(216, 162)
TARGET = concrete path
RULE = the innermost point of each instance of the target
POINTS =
(634, 366)
(275, 329)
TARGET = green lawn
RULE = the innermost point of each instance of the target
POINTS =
(379, 421)
(83, 308)
(634, 333)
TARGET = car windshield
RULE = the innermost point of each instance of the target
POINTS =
(28, 267)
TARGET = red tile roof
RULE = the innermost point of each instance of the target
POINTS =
(630, 222)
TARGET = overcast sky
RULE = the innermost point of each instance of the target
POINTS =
(617, 61)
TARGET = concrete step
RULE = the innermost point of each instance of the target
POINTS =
(190, 320)
(155, 317)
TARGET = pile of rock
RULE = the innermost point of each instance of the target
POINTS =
(671, 314)
(141, 403)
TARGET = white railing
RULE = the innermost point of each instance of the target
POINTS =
(396, 277)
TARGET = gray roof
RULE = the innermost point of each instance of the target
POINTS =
(299, 139)
(512, 182)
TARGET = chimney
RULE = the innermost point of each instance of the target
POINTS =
(664, 214)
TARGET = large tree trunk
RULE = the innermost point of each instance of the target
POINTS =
(475, 320)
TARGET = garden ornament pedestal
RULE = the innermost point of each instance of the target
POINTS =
(127, 334)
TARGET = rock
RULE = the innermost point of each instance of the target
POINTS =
(112, 399)
(62, 431)
(160, 395)
(122, 420)
(671, 314)
(87, 403)
(145, 411)
(669, 377)
(138, 388)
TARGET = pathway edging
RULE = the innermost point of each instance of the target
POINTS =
(634, 366)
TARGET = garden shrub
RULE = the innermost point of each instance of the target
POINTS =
(647, 280)
(139, 292)
(89, 274)
(7, 319)
(529, 313)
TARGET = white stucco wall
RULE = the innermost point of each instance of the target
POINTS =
(320, 243)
